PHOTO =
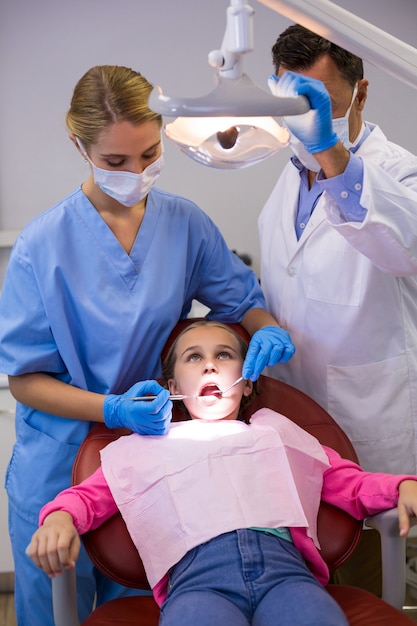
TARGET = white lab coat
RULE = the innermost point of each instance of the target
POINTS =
(347, 293)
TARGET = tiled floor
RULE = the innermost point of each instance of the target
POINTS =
(7, 615)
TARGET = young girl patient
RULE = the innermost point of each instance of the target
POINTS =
(223, 513)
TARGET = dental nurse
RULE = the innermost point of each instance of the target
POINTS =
(93, 288)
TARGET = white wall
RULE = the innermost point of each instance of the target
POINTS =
(45, 47)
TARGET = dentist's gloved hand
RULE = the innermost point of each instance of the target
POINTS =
(314, 129)
(146, 417)
(269, 345)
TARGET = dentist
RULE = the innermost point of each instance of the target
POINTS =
(338, 239)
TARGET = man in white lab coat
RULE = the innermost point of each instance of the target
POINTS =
(338, 239)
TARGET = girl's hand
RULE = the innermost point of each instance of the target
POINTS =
(56, 544)
(407, 504)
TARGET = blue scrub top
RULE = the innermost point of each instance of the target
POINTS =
(76, 305)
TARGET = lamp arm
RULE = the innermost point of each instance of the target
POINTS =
(353, 33)
(237, 40)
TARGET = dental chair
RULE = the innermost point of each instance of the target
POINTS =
(113, 553)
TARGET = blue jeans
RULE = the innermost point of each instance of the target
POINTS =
(247, 577)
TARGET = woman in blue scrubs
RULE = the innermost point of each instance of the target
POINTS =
(93, 288)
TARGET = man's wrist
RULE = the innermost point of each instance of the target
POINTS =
(334, 160)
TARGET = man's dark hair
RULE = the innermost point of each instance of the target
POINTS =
(297, 49)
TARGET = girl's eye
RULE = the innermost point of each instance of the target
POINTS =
(224, 355)
(194, 357)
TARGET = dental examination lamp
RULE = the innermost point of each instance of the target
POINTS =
(231, 127)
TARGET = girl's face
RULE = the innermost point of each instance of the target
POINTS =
(208, 358)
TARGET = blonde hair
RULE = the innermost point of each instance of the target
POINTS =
(107, 94)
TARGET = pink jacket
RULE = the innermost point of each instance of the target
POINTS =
(345, 486)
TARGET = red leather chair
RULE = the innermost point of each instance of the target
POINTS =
(113, 552)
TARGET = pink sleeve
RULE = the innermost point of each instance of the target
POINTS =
(347, 486)
(160, 590)
(90, 503)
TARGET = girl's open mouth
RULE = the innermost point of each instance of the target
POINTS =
(211, 389)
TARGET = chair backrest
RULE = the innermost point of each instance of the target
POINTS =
(110, 547)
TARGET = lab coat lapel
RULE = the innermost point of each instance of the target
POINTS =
(290, 191)
(317, 217)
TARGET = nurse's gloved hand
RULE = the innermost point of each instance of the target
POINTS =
(269, 345)
(314, 129)
(146, 417)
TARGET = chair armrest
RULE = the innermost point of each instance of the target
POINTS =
(64, 599)
(393, 553)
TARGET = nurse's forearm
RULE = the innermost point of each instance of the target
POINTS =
(254, 319)
(45, 393)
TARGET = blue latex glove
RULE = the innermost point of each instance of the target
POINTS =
(314, 129)
(269, 345)
(146, 417)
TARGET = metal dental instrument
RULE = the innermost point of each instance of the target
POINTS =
(220, 393)
(182, 397)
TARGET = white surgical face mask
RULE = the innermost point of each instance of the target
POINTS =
(341, 124)
(127, 188)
